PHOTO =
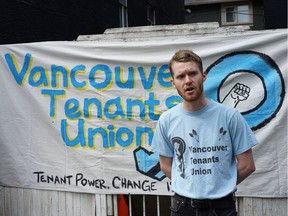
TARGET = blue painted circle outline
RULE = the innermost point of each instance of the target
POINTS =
(264, 67)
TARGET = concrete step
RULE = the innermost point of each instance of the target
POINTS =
(162, 31)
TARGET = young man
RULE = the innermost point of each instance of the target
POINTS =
(205, 147)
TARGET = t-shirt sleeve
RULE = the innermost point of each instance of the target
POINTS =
(242, 136)
(160, 143)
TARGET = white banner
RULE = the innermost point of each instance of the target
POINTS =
(80, 116)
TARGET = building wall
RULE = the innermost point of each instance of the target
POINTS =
(212, 13)
(275, 14)
(53, 20)
(258, 15)
(203, 13)
(37, 20)
(167, 12)
(170, 12)
(136, 13)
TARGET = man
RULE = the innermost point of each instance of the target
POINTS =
(205, 147)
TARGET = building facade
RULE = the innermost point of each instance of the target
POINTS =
(151, 12)
(258, 14)
(52, 20)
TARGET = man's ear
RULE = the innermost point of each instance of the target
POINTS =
(204, 75)
(172, 81)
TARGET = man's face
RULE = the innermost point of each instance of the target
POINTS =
(188, 80)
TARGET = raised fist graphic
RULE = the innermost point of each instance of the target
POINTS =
(239, 92)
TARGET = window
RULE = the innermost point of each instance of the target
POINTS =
(123, 13)
(151, 20)
(237, 14)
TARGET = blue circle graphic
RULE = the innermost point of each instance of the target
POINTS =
(257, 63)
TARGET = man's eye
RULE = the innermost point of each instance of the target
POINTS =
(193, 74)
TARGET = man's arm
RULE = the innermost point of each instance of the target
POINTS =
(166, 165)
(245, 165)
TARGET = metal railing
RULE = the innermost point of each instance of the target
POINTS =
(108, 204)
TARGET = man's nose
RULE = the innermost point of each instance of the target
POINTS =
(188, 79)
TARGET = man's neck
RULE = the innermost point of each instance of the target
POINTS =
(195, 105)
